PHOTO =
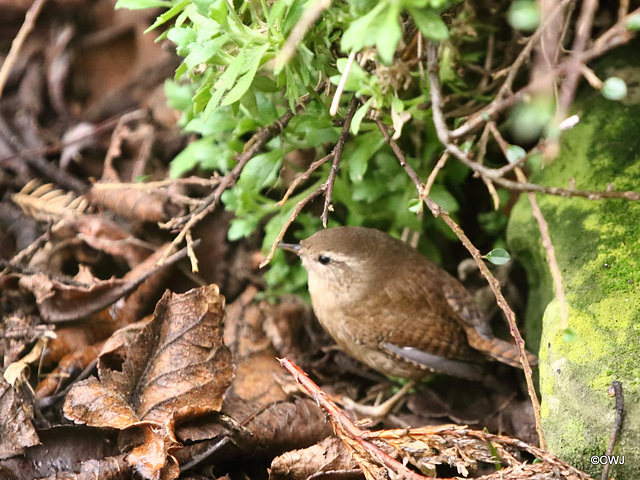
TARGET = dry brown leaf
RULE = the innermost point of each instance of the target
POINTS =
(46, 203)
(65, 449)
(177, 368)
(330, 455)
(74, 362)
(111, 468)
(103, 235)
(264, 422)
(134, 204)
(16, 429)
(136, 304)
(61, 302)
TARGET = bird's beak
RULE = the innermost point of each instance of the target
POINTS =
(292, 247)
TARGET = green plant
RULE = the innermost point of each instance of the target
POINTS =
(237, 77)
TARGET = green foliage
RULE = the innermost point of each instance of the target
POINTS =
(230, 85)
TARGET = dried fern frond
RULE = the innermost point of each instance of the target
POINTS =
(46, 203)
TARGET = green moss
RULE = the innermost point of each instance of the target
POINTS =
(597, 245)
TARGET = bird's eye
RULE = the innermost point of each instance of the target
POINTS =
(323, 259)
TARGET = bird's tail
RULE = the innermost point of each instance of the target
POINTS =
(501, 351)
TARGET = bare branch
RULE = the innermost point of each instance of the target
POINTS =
(543, 227)
(28, 24)
(256, 143)
(583, 35)
(443, 135)
(310, 15)
(300, 205)
(335, 164)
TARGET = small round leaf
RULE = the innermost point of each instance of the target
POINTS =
(515, 153)
(570, 335)
(524, 15)
(498, 256)
(614, 88)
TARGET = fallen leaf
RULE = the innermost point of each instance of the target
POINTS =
(177, 368)
(16, 429)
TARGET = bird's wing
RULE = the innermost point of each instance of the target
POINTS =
(464, 307)
(419, 317)
(435, 363)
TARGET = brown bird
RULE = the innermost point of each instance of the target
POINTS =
(395, 310)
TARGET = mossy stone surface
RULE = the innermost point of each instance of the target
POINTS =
(597, 245)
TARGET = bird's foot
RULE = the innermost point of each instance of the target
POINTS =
(377, 411)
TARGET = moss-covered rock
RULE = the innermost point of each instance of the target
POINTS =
(597, 245)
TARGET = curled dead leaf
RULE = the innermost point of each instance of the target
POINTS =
(177, 368)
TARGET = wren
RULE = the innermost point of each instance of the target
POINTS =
(393, 309)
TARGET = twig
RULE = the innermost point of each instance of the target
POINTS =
(335, 103)
(583, 34)
(300, 205)
(532, 187)
(615, 36)
(190, 253)
(543, 227)
(400, 156)
(28, 24)
(335, 163)
(554, 268)
(303, 178)
(434, 173)
(433, 70)
(503, 100)
(342, 425)
(623, 9)
(443, 135)
(482, 151)
(614, 390)
(310, 15)
(528, 48)
(210, 203)
(504, 306)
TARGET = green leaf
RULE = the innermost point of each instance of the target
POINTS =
(251, 63)
(261, 171)
(242, 227)
(570, 335)
(430, 24)
(218, 11)
(498, 256)
(364, 147)
(140, 4)
(363, 31)
(359, 116)
(528, 120)
(515, 153)
(169, 14)
(178, 96)
(389, 34)
(415, 205)
(442, 197)
(202, 152)
(357, 75)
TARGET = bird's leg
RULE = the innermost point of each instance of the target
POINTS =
(378, 411)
